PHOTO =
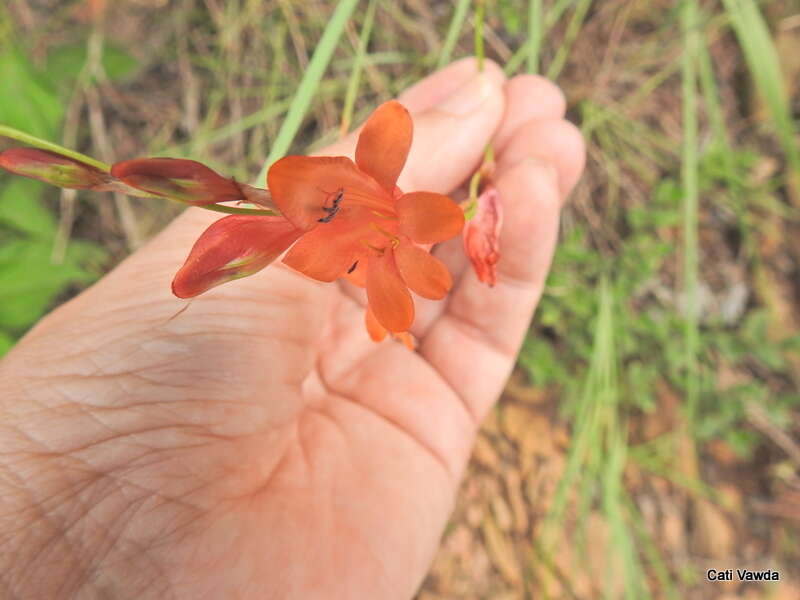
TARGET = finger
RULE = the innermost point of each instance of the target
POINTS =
(554, 141)
(529, 98)
(433, 90)
(548, 104)
(485, 326)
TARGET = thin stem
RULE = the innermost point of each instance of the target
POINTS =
(453, 31)
(233, 210)
(534, 34)
(37, 142)
(689, 176)
(309, 83)
(358, 66)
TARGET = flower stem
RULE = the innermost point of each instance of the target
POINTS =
(37, 142)
(233, 210)
(32, 140)
(485, 171)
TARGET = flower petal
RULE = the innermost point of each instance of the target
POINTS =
(407, 339)
(424, 274)
(233, 247)
(53, 168)
(376, 331)
(302, 186)
(387, 294)
(178, 178)
(384, 142)
(327, 252)
(482, 236)
(429, 218)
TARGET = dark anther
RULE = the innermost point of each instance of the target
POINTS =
(332, 210)
(353, 268)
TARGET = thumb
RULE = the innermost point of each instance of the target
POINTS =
(450, 137)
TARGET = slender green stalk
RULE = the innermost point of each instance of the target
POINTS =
(534, 34)
(762, 59)
(573, 29)
(37, 142)
(358, 66)
(689, 176)
(480, 15)
(232, 210)
(453, 32)
(550, 18)
(309, 83)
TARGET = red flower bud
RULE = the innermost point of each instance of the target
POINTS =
(482, 233)
(53, 168)
(186, 180)
(233, 247)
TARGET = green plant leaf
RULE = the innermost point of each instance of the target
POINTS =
(21, 210)
(28, 101)
(30, 280)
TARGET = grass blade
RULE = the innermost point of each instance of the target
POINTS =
(762, 59)
(534, 34)
(689, 177)
(358, 66)
(453, 32)
(573, 29)
(309, 83)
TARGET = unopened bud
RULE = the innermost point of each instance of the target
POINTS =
(180, 179)
(55, 169)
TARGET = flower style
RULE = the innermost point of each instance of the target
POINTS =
(342, 219)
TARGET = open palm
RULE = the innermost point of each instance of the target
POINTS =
(258, 444)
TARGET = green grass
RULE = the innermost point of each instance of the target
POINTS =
(309, 83)
(689, 180)
(764, 67)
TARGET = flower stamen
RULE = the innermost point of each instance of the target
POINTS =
(332, 210)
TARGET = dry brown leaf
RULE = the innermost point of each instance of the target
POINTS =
(502, 513)
(713, 535)
(485, 454)
(501, 552)
(518, 507)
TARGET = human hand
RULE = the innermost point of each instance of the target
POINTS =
(258, 444)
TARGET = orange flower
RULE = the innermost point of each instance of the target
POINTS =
(481, 235)
(359, 225)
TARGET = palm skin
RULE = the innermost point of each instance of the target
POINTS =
(258, 444)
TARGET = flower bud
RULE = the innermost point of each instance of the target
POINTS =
(481, 235)
(181, 179)
(53, 168)
(233, 247)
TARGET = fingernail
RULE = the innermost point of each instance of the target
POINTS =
(469, 97)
